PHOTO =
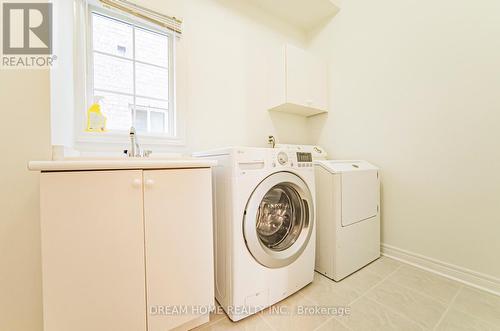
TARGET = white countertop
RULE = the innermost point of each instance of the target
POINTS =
(119, 164)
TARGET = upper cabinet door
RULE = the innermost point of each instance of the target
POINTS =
(179, 242)
(298, 76)
(304, 83)
(93, 251)
(318, 84)
(306, 79)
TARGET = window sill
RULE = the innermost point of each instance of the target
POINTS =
(109, 139)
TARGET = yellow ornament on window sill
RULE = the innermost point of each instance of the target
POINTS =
(96, 121)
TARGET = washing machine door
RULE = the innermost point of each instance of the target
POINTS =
(278, 220)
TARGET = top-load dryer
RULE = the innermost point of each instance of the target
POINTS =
(348, 216)
(347, 213)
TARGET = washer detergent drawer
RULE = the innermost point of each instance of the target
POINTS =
(360, 195)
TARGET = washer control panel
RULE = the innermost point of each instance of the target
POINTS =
(304, 159)
(294, 159)
(248, 160)
(282, 158)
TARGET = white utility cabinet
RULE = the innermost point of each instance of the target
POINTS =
(300, 85)
(120, 246)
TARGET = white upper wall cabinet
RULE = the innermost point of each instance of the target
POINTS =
(304, 14)
(301, 85)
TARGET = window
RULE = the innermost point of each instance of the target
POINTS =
(131, 74)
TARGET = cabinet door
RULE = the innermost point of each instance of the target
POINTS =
(318, 84)
(93, 251)
(179, 249)
(306, 79)
(297, 76)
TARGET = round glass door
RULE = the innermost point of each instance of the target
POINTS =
(278, 220)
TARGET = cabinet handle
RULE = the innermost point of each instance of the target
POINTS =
(150, 182)
(137, 183)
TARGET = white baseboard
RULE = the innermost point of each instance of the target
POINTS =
(469, 277)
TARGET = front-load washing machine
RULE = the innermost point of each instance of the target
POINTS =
(264, 226)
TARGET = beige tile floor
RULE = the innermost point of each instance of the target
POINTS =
(385, 295)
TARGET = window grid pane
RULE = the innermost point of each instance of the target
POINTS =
(135, 91)
(151, 81)
(113, 74)
(118, 107)
(112, 36)
(151, 47)
(157, 121)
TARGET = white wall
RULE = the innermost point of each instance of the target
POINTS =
(25, 135)
(415, 89)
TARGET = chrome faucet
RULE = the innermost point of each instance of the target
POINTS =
(135, 149)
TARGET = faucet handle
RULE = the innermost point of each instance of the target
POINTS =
(147, 153)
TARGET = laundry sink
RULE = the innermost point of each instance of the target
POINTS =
(106, 162)
(123, 157)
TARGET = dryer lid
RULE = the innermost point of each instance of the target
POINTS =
(341, 166)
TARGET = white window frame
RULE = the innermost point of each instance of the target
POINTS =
(175, 135)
